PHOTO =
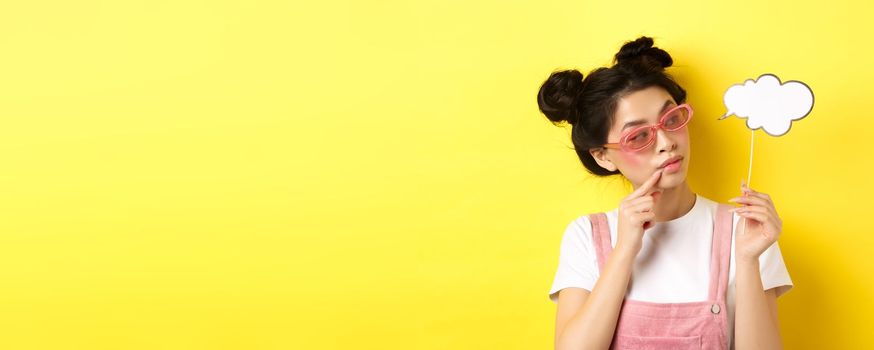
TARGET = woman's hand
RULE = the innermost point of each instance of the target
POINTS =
(760, 225)
(636, 214)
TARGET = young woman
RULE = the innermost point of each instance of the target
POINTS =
(668, 268)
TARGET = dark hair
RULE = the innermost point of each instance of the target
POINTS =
(589, 104)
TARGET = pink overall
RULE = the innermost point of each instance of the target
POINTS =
(688, 325)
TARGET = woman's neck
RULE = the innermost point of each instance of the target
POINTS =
(674, 202)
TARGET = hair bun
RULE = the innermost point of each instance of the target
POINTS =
(558, 94)
(641, 52)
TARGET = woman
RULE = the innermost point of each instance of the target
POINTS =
(668, 268)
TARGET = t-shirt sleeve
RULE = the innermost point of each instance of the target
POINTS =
(773, 269)
(577, 264)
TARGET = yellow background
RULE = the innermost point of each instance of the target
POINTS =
(375, 174)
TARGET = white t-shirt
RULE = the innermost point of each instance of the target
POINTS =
(673, 265)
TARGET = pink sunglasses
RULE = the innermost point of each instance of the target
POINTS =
(642, 137)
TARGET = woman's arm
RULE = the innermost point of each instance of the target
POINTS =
(756, 324)
(591, 326)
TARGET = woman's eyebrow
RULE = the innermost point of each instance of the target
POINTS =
(641, 121)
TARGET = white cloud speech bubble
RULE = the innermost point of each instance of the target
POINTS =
(768, 104)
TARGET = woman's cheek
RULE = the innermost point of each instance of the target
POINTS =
(636, 167)
(684, 138)
(633, 160)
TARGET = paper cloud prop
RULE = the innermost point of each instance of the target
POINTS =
(768, 104)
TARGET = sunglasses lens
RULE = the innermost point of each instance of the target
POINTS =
(638, 138)
(676, 119)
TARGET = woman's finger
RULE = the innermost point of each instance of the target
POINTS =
(645, 206)
(754, 201)
(750, 199)
(638, 200)
(762, 219)
(643, 189)
(754, 193)
(753, 209)
(761, 215)
(761, 195)
(643, 217)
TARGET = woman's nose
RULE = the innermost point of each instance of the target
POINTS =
(664, 142)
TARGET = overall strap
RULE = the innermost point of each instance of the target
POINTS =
(720, 253)
(601, 238)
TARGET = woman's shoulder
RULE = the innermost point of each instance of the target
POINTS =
(577, 237)
(580, 228)
(585, 220)
(582, 224)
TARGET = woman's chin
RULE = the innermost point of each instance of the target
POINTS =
(672, 180)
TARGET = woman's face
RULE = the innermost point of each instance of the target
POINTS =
(645, 107)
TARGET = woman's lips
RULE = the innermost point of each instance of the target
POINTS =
(673, 167)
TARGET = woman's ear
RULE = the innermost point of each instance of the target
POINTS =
(600, 155)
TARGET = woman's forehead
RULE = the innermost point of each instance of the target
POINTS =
(646, 104)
